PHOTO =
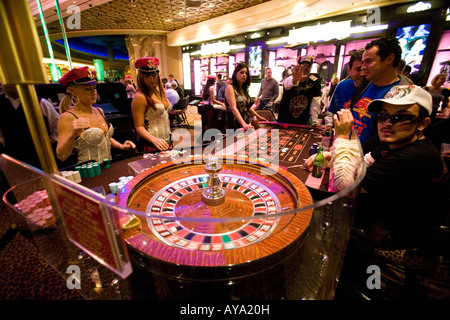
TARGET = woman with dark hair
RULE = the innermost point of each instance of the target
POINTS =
(238, 100)
(209, 100)
(208, 95)
(150, 107)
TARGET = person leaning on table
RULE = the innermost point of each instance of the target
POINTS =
(406, 184)
(404, 195)
(403, 198)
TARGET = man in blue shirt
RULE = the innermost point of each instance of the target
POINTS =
(344, 91)
(379, 63)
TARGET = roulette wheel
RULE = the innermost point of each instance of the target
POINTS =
(209, 227)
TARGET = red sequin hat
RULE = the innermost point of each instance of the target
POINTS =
(147, 64)
(82, 75)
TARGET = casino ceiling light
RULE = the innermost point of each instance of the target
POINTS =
(320, 32)
(419, 6)
(66, 63)
(362, 29)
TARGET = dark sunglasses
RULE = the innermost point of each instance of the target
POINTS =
(396, 118)
(152, 73)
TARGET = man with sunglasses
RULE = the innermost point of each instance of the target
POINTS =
(405, 190)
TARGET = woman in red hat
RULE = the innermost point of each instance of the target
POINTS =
(150, 107)
(82, 126)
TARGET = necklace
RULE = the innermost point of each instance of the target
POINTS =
(99, 121)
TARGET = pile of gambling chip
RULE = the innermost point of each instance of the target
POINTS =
(37, 209)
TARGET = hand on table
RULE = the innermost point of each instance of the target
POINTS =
(261, 118)
(309, 163)
(128, 145)
(160, 144)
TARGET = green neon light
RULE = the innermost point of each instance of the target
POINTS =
(55, 72)
(98, 63)
(66, 44)
(47, 39)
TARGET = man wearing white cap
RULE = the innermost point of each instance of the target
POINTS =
(404, 191)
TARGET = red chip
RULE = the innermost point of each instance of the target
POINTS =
(47, 216)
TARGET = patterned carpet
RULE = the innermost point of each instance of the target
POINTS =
(26, 275)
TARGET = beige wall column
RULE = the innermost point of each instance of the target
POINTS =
(134, 51)
(155, 46)
(161, 56)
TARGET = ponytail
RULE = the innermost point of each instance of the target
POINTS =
(66, 102)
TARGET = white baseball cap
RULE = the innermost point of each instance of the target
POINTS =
(404, 95)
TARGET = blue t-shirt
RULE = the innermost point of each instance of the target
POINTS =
(342, 96)
(364, 123)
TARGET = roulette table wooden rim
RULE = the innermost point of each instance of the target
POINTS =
(290, 233)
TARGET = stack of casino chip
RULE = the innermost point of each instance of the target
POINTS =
(115, 187)
(37, 209)
(164, 154)
(89, 170)
(74, 176)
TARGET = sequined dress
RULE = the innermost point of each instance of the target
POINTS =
(157, 122)
(94, 144)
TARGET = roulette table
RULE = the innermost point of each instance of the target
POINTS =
(262, 240)
(284, 145)
(184, 245)
(195, 245)
(222, 222)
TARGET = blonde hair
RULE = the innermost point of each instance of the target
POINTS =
(142, 86)
(66, 102)
(437, 76)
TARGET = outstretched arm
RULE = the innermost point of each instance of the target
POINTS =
(346, 158)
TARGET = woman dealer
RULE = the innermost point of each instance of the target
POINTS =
(83, 127)
(150, 107)
(238, 100)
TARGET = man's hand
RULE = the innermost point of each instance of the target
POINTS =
(343, 123)
(299, 74)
